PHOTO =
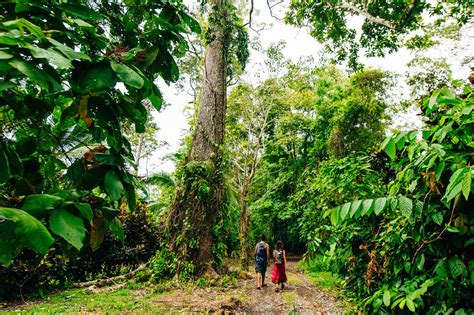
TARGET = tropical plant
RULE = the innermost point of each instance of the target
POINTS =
(72, 74)
(420, 257)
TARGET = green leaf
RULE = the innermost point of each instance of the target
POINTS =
(113, 185)
(441, 268)
(466, 184)
(80, 11)
(23, 23)
(355, 208)
(393, 203)
(433, 98)
(410, 305)
(437, 218)
(366, 206)
(127, 75)
(379, 205)
(97, 77)
(110, 213)
(457, 267)
(391, 149)
(51, 56)
(6, 85)
(68, 51)
(191, 22)
(85, 210)
(469, 242)
(455, 185)
(386, 298)
(406, 206)
(18, 229)
(420, 262)
(155, 97)
(334, 215)
(117, 229)
(344, 211)
(35, 74)
(68, 226)
(5, 55)
(37, 205)
(131, 197)
(439, 170)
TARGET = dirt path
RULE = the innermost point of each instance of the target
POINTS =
(300, 296)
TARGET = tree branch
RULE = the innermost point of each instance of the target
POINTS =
(368, 16)
(270, 7)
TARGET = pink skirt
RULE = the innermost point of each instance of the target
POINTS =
(279, 274)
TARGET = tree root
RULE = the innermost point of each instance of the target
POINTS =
(109, 281)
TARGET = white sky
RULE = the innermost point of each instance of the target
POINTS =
(173, 120)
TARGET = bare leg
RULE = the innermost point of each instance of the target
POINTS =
(259, 277)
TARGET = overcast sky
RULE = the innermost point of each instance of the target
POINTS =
(173, 120)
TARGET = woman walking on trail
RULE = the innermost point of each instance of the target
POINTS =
(279, 269)
(262, 252)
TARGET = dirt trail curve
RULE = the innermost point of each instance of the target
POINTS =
(300, 296)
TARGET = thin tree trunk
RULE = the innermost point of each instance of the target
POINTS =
(244, 230)
(198, 200)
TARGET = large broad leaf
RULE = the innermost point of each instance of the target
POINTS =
(127, 75)
(131, 197)
(113, 185)
(391, 149)
(36, 75)
(344, 211)
(22, 24)
(97, 77)
(386, 298)
(457, 267)
(191, 22)
(52, 56)
(356, 207)
(80, 11)
(18, 229)
(85, 210)
(68, 226)
(155, 97)
(457, 183)
(5, 55)
(37, 205)
(466, 184)
(68, 51)
(334, 215)
(406, 206)
(379, 205)
(367, 205)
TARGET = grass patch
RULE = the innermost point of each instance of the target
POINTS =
(82, 300)
(293, 279)
(289, 297)
(324, 279)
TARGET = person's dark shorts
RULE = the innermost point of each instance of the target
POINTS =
(261, 267)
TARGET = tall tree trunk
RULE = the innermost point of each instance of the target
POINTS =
(244, 230)
(201, 193)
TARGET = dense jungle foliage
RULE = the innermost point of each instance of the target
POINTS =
(313, 153)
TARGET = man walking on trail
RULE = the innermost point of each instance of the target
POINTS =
(262, 252)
